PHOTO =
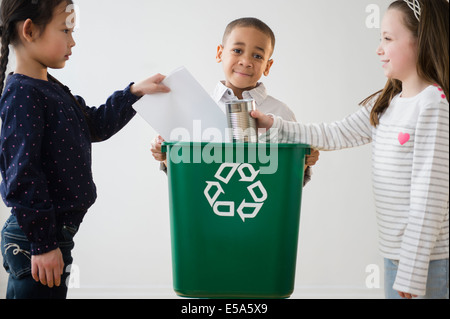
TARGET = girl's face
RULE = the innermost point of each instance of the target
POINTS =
(53, 46)
(398, 47)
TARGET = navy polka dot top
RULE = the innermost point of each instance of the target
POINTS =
(45, 153)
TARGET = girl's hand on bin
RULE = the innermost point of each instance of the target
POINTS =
(150, 86)
(262, 120)
(156, 150)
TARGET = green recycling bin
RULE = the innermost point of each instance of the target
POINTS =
(235, 215)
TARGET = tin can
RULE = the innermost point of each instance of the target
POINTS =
(242, 125)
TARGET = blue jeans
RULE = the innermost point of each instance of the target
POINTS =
(437, 283)
(15, 249)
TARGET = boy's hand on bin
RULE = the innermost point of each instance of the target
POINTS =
(156, 150)
(312, 159)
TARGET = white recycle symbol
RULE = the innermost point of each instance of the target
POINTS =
(240, 168)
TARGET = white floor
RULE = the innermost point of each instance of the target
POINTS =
(166, 292)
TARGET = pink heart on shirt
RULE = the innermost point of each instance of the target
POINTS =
(403, 138)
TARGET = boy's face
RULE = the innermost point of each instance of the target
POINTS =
(245, 56)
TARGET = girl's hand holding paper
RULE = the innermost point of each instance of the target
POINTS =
(150, 86)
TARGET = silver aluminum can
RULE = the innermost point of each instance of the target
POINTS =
(241, 124)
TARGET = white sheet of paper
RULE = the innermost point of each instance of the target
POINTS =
(187, 113)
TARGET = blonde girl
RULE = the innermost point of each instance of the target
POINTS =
(408, 124)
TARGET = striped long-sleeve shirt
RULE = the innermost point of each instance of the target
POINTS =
(410, 164)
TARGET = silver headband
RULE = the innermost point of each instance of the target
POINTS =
(415, 6)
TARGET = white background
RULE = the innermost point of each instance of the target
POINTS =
(325, 64)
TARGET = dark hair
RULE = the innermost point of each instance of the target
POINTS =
(15, 11)
(250, 22)
(432, 33)
(41, 13)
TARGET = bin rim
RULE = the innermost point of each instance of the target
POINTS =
(165, 145)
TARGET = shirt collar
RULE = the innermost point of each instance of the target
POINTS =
(259, 94)
(221, 91)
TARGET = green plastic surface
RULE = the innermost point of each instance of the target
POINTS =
(239, 255)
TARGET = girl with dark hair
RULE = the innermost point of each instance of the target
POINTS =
(45, 146)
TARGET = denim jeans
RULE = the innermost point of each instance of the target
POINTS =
(15, 249)
(437, 282)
